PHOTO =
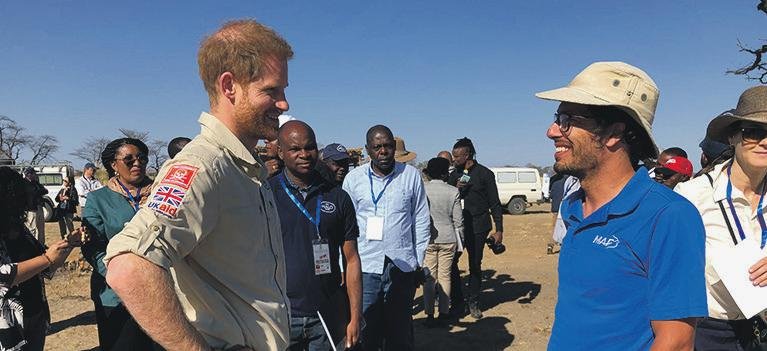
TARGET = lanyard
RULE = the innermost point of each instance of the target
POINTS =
(316, 219)
(759, 210)
(134, 200)
(373, 197)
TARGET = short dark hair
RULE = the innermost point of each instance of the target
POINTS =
(675, 151)
(176, 144)
(467, 144)
(110, 152)
(437, 168)
(639, 142)
(378, 128)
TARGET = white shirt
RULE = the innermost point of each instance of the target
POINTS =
(84, 186)
(719, 241)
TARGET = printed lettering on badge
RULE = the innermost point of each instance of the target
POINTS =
(180, 175)
(608, 243)
(166, 200)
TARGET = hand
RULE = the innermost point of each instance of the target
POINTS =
(353, 332)
(498, 237)
(58, 253)
(78, 237)
(460, 185)
(758, 273)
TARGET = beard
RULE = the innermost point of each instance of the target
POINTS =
(579, 163)
(257, 122)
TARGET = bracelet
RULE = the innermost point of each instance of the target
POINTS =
(50, 263)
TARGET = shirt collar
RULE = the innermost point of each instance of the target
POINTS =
(436, 181)
(219, 134)
(719, 175)
(397, 168)
(626, 201)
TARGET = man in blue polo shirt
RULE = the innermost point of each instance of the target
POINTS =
(631, 269)
(318, 224)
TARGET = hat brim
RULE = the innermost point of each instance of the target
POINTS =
(717, 129)
(405, 157)
(578, 96)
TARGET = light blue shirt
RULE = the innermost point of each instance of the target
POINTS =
(405, 210)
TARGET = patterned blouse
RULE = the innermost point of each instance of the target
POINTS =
(11, 309)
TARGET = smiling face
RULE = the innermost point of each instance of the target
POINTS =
(130, 164)
(577, 149)
(750, 141)
(261, 102)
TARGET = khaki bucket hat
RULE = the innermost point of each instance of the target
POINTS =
(752, 106)
(400, 152)
(615, 84)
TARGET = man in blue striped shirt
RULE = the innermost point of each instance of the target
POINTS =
(393, 218)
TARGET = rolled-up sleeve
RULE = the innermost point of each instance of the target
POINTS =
(175, 218)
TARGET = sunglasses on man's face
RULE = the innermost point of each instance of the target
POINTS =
(753, 134)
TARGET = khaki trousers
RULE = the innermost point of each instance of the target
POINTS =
(439, 259)
(36, 224)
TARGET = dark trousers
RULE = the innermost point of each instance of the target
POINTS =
(457, 302)
(721, 335)
(35, 328)
(118, 331)
(475, 247)
(307, 334)
(387, 305)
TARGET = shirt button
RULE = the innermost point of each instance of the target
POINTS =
(155, 228)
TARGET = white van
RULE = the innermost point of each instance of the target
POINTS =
(518, 187)
(51, 177)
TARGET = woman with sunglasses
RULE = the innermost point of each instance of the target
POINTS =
(105, 214)
(730, 200)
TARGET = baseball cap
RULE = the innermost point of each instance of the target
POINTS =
(679, 164)
(89, 165)
(335, 152)
(615, 84)
(713, 149)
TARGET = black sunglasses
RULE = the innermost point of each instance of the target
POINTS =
(753, 134)
(130, 159)
(565, 120)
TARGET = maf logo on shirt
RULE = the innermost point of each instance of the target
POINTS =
(608, 243)
(328, 207)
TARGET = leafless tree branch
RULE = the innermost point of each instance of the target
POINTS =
(91, 149)
(42, 147)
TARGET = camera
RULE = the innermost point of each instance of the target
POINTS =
(498, 248)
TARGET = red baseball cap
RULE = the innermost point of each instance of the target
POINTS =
(679, 164)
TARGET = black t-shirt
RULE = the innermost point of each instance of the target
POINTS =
(23, 248)
(338, 223)
(480, 199)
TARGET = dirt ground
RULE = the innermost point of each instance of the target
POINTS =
(518, 298)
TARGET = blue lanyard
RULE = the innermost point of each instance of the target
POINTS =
(135, 201)
(759, 210)
(373, 197)
(316, 219)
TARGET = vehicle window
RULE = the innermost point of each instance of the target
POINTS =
(507, 177)
(50, 179)
(527, 177)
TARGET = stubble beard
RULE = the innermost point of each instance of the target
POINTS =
(579, 165)
(256, 122)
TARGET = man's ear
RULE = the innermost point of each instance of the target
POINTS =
(614, 134)
(226, 86)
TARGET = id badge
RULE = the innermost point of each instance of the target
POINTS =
(374, 228)
(321, 256)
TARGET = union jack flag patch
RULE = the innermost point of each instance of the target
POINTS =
(166, 200)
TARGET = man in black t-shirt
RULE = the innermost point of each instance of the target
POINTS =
(319, 225)
(476, 184)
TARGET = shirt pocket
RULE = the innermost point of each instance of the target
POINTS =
(402, 202)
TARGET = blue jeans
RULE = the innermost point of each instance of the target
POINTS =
(387, 304)
(307, 334)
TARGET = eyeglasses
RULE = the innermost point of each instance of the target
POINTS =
(753, 134)
(130, 159)
(565, 120)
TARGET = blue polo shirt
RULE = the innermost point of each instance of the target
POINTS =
(306, 291)
(638, 258)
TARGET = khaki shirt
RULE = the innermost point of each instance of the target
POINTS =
(719, 241)
(211, 221)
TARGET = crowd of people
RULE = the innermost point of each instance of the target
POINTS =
(299, 249)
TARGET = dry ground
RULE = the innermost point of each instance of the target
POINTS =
(518, 298)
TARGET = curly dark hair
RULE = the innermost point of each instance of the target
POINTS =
(13, 200)
(110, 152)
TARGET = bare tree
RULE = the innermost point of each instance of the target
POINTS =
(42, 147)
(135, 134)
(157, 154)
(757, 69)
(12, 138)
(91, 149)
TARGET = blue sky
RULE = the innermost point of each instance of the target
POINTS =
(433, 71)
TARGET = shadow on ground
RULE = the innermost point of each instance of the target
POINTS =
(85, 318)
